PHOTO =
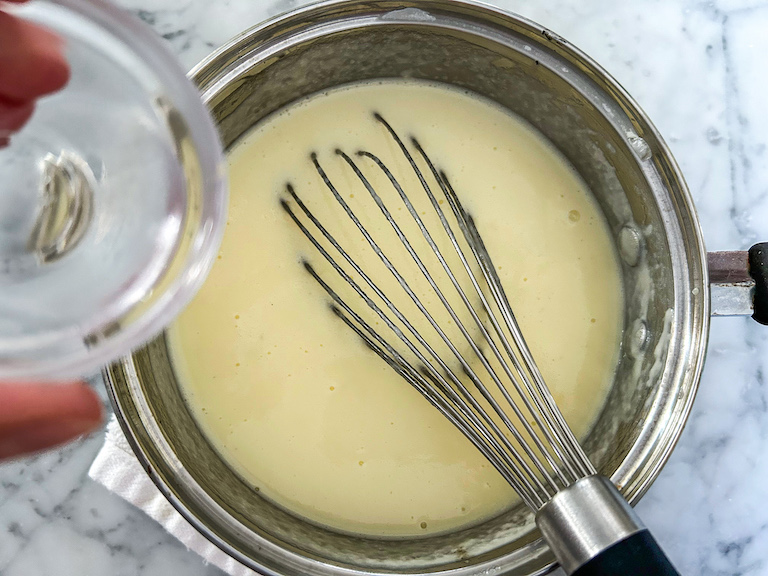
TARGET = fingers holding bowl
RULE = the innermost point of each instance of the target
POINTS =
(32, 65)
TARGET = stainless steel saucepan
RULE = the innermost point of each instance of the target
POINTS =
(616, 150)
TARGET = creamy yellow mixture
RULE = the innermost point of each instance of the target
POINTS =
(295, 401)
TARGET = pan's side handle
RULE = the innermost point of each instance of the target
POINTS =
(738, 282)
(758, 270)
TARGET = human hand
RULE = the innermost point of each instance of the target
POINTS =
(35, 416)
(31, 65)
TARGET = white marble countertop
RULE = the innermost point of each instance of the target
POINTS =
(699, 69)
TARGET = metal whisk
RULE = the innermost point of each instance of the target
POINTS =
(474, 366)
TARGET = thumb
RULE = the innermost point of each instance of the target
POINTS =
(32, 61)
(38, 416)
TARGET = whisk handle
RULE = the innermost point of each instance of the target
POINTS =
(592, 531)
(636, 555)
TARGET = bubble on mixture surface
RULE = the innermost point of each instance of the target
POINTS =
(574, 215)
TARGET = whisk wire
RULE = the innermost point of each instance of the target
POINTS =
(560, 432)
(470, 407)
(539, 393)
(475, 347)
(398, 314)
(465, 420)
(552, 439)
(520, 464)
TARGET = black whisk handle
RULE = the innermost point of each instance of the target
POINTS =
(593, 531)
(636, 555)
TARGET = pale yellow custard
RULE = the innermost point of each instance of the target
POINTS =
(295, 401)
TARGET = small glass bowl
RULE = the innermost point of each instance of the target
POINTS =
(112, 199)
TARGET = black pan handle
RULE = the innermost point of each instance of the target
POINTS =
(636, 555)
(758, 270)
(738, 282)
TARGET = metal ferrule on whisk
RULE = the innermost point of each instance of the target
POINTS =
(584, 519)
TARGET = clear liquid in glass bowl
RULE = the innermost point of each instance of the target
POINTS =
(112, 199)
